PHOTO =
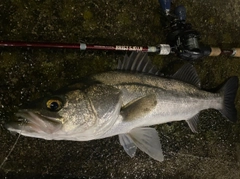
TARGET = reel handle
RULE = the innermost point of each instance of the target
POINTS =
(165, 5)
(180, 12)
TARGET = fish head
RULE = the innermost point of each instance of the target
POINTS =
(54, 116)
(73, 115)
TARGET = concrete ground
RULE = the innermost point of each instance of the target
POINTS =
(28, 73)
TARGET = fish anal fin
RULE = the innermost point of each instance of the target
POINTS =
(139, 108)
(193, 123)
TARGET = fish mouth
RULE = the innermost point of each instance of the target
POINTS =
(28, 122)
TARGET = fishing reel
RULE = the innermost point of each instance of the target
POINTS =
(183, 40)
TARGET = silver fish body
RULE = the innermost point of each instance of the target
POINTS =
(157, 100)
(124, 103)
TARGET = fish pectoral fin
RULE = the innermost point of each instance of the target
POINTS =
(128, 144)
(146, 139)
(193, 122)
(139, 108)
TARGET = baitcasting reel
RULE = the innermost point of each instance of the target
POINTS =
(183, 40)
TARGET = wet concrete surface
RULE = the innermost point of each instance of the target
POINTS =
(28, 73)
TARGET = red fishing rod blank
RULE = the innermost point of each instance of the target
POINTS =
(162, 49)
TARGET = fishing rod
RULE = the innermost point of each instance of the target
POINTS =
(182, 40)
(162, 49)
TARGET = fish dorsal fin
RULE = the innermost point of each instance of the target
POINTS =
(137, 62)
(188, 74)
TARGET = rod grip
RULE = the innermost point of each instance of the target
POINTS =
(215, 51)
(236, 52)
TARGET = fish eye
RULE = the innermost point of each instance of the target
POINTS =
(54, 104)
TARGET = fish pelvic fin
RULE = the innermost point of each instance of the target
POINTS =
(128, 144)
(146, 139)
(229, 91)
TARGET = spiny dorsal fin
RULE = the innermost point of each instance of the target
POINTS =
(188, 74)
(137, 62)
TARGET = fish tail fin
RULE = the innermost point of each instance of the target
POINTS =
(229, 91)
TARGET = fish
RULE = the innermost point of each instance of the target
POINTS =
(125, 102)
